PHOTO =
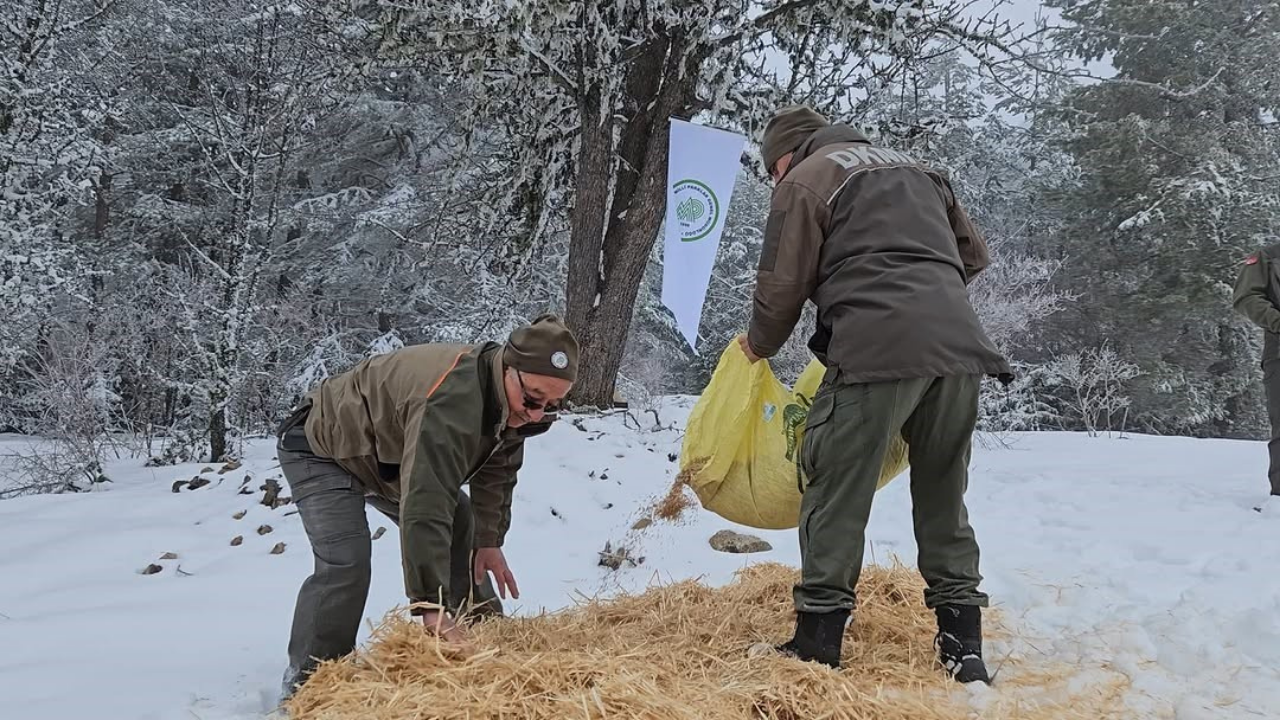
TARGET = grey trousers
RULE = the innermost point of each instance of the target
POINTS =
(331, 602)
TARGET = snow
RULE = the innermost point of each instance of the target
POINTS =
(1141, 556)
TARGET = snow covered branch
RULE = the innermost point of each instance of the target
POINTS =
(1095, 383)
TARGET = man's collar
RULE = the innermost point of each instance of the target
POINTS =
(498, 374)
(829, 135)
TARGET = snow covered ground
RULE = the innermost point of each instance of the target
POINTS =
(1139, 556)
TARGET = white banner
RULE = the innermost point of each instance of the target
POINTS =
(702, 164)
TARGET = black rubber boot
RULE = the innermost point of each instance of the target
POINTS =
(818, 637)
(959, 642)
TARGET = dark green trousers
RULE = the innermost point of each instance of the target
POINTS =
(847, 434)
(1271, 383)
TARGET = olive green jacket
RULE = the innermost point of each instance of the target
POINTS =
(1255, 296)
(414, 426)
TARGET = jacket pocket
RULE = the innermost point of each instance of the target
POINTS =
(772, 240)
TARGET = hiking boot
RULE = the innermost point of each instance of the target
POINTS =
(818, 638)
(292, 680)
(959, 642)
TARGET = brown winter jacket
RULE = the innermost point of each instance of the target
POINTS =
(882, 247)
(413, 426)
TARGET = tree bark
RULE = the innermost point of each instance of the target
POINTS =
(101, 205)
(619, 264)
(644, 79)
(217, 428)
(587, 223)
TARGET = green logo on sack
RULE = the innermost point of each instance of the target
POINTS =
(697, 210)
(793, 418)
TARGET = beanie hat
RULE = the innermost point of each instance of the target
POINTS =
(788, 130)
(544, 347)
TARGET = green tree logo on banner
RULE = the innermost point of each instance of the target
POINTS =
(697, 210)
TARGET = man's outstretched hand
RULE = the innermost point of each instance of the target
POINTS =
(441, 624)
(746, 349)
(491, 560)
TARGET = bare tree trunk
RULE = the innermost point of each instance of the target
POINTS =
(101, 205)
(587, 233)
(602, 318)
(217, 429)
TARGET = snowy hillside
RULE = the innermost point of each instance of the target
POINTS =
(1136, 556)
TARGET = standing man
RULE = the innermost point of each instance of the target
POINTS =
(878, 242)
(404, 431)
(1255, 299)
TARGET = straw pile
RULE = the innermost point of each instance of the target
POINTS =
(674, 652)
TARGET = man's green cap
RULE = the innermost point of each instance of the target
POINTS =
(543, 347)
(788, 130)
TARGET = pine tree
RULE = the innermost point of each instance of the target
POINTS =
(1176, 156)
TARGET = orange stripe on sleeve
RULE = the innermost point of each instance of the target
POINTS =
(445, 376)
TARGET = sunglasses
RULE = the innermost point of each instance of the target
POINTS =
(532, 403)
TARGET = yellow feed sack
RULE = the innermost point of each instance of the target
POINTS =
(742, 445)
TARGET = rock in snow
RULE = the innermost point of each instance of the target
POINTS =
(732, 542)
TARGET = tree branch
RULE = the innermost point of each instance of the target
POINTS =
(556, 73)
(221, 271)
(764, 20)
(1165, 91)
(77, 24)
